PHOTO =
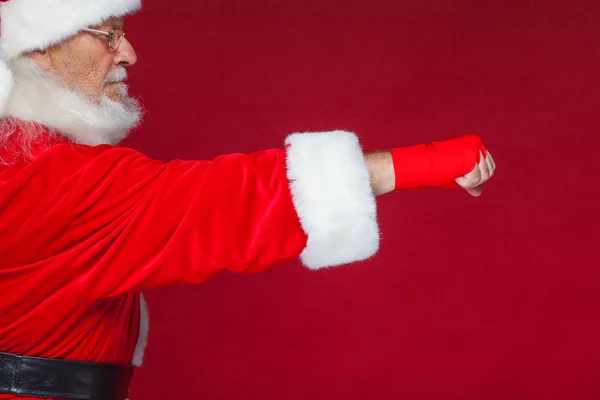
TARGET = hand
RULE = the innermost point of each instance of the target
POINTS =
(483, 171)
(459, 162)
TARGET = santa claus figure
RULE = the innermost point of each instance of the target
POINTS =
(87, 225)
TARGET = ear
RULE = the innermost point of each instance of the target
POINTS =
(41, 58)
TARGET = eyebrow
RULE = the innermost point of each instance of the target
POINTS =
(115, 23)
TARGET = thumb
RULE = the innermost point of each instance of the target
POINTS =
(473, 191)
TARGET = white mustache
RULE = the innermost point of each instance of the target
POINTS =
(118, 75)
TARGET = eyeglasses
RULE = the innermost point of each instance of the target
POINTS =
(115, 37)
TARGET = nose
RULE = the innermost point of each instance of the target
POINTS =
(126, 55)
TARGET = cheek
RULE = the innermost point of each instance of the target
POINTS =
(99, 68)
(91, 65)
(84, 63)
(106, 64)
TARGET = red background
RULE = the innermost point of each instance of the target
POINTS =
(489, 298)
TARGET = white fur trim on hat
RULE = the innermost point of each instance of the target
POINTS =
(37, 24)
(332, 194)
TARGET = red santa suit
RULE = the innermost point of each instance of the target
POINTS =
(85, 229)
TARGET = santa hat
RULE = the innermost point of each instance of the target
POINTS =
(28, 25)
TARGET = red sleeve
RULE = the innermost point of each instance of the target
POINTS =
(145, 223)
(137, 223)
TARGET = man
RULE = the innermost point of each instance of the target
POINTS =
(86, 225)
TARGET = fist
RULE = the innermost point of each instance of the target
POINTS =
(462, 161)
(483, 171)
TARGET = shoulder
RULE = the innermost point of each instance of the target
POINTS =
(68, 155)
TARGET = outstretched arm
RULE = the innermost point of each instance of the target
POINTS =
(130, 223)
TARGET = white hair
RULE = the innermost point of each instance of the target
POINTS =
(38, 99)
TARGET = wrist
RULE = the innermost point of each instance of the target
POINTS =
(381, 171)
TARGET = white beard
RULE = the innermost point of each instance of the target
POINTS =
(39, 98)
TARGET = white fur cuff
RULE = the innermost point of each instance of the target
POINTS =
(331, 190)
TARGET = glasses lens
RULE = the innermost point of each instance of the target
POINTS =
(117, 39)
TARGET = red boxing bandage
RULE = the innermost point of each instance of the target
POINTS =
(436, 164)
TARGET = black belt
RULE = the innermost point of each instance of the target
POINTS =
(43, 377)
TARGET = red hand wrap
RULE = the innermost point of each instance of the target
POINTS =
(436, 164)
